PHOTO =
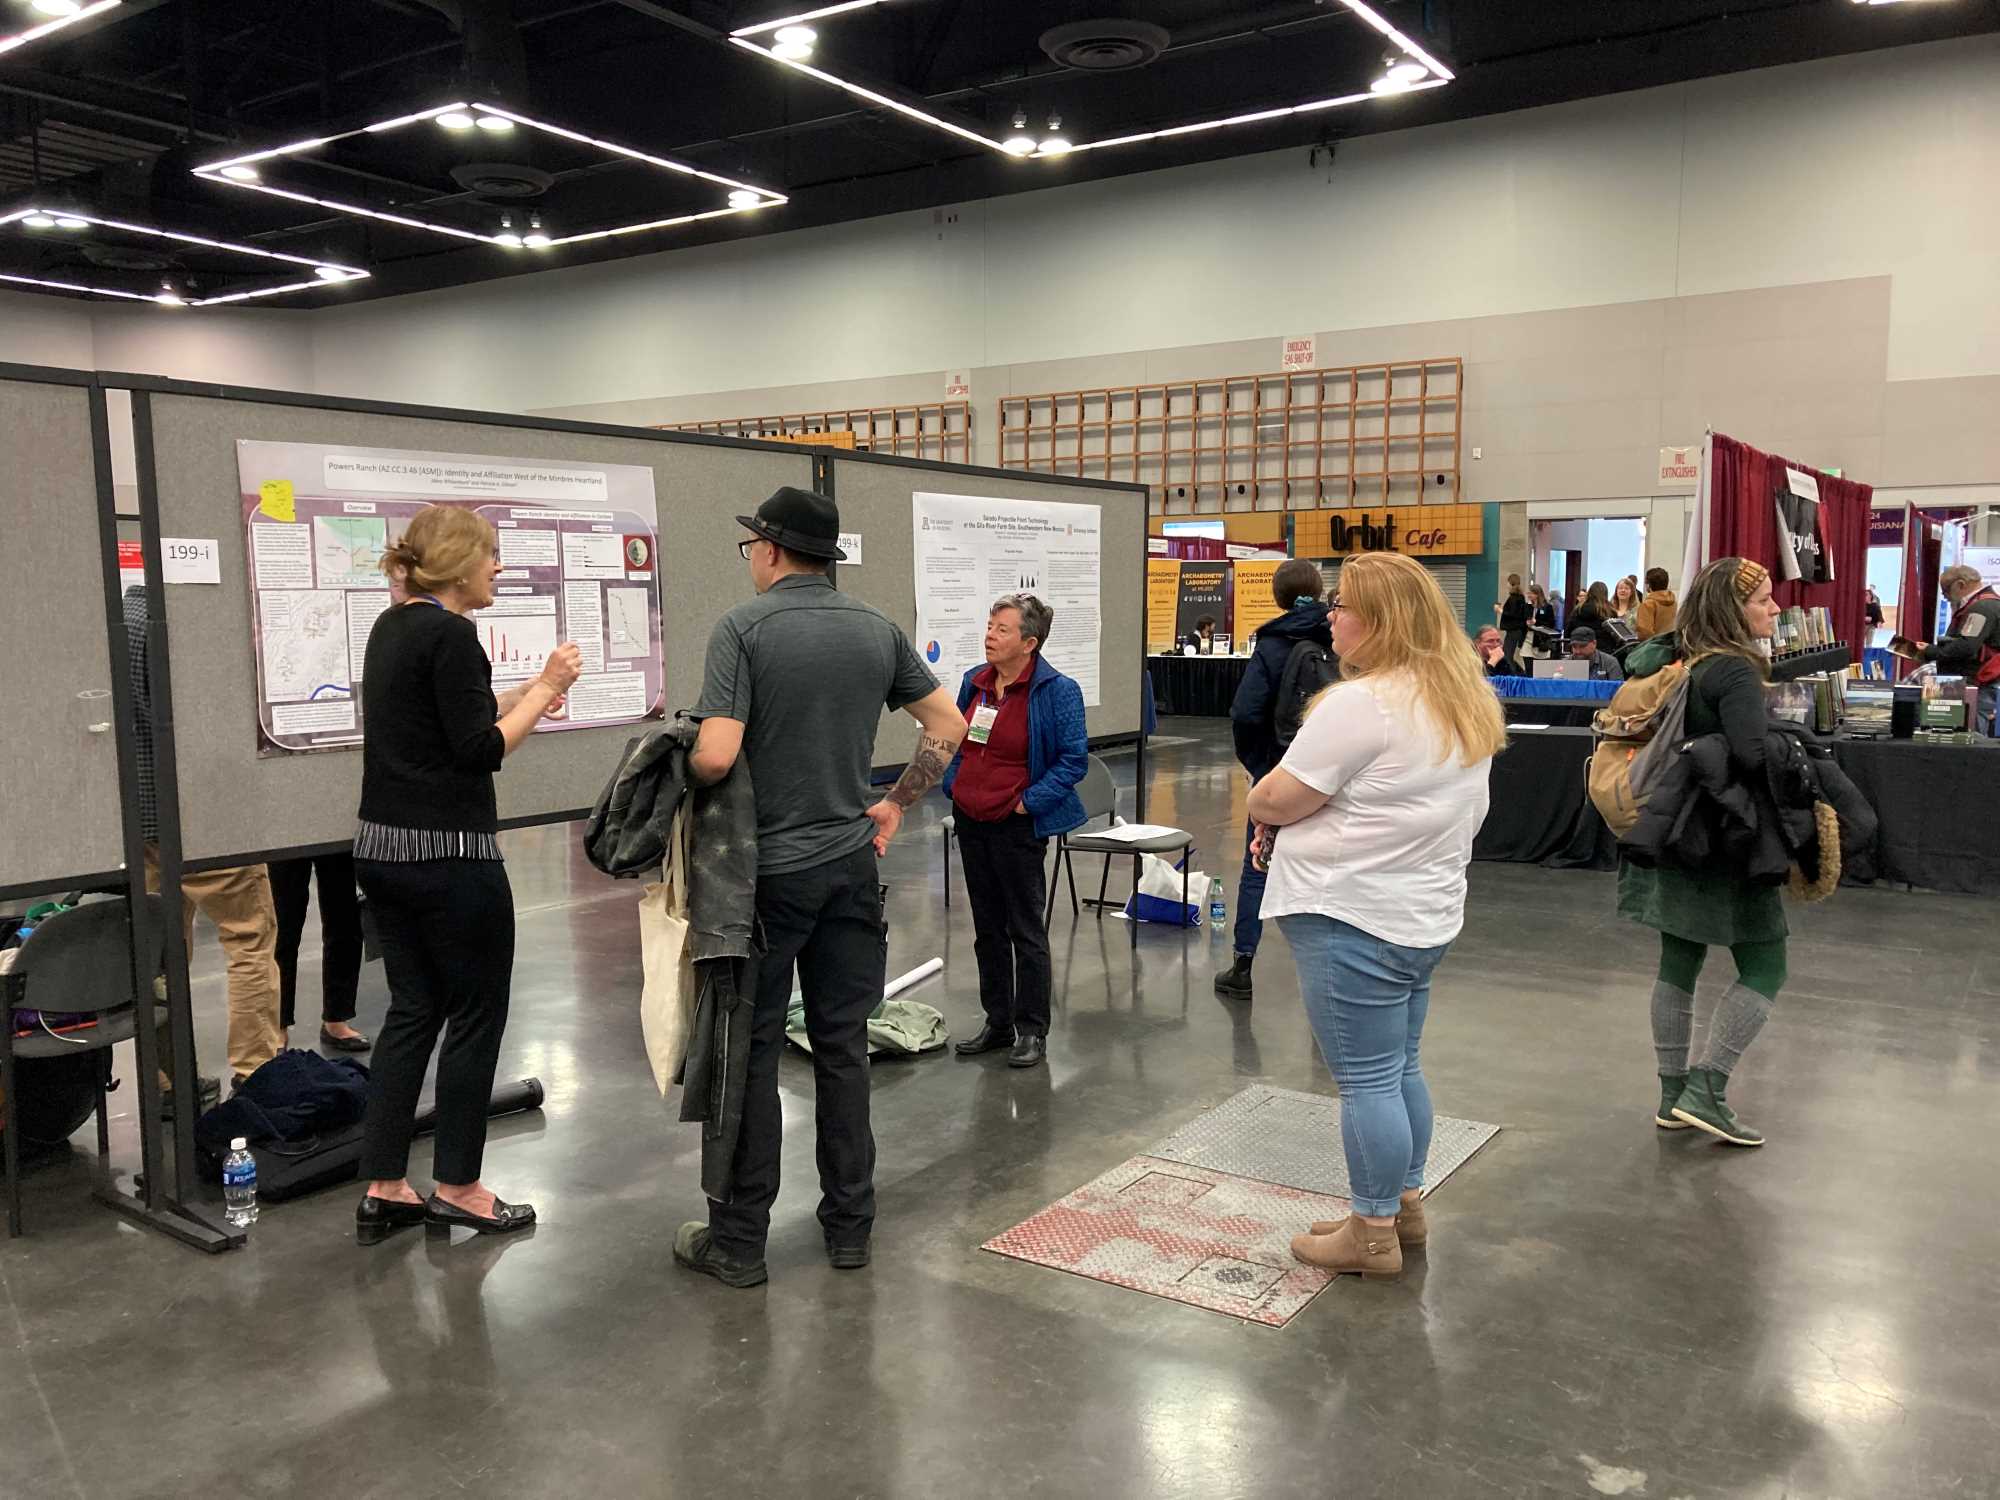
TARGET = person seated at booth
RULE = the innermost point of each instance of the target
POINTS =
(1494, 655)
(1583, 647)
(1202, 637)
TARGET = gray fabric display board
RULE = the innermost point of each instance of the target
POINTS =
(62, 814)
(875, 500)
(232, 801)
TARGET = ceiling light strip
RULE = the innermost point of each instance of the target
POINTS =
(36, 33)
(872, 96)
(1410, 49)
(348, 273)
(70, 286)
(810, 15)
(207, 169)
(1249, 119)
(616, 149)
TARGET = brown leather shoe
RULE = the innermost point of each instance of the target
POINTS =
(1354, 1248)
(1413, 1230)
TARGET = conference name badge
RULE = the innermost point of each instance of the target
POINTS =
(982, 723)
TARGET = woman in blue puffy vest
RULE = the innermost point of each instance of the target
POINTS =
(1013, 788)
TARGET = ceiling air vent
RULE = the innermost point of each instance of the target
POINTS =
(1105, 46)
(498, 179)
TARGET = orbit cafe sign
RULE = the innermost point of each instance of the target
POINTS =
(1419, 531)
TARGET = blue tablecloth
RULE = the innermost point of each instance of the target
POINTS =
(1879, 661)
(1524, 688)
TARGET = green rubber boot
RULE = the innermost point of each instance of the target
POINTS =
(1672, 1086)
(1703, 1107)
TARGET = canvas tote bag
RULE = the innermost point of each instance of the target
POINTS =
(666, 1004)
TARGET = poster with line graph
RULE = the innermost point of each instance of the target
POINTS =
(577, 545)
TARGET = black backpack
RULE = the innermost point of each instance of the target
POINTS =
(1308, 668)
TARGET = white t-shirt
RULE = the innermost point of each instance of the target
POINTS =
(1387, 853)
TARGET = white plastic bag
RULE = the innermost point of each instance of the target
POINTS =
(666, 1005)
(1158, 898)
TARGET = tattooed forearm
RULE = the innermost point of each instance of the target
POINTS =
(925, 770)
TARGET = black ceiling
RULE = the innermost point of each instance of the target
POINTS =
(110, 118)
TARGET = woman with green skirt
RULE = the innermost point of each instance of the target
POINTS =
(1724, 622)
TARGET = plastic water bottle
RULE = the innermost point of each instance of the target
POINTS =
(1218, 913)
(239, 1184)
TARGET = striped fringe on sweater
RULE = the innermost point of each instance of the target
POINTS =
(401, 846)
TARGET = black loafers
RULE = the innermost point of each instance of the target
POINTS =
(506, 1217)
(375, 1219)
(1029, 1050)
(847, 1257)
(990, 1039)
(355, 1043)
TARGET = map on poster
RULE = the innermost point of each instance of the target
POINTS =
(578, 549)
(970, 550)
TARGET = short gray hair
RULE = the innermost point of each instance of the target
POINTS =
(1036, 617)
(1959, 573)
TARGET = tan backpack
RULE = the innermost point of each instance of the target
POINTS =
(1643, 724)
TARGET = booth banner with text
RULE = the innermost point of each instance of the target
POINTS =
(1415, 531)
(579, 561)
(1163, 592)
(1204, 592)
(1803, 556)
(970, 550)
(1256, 607)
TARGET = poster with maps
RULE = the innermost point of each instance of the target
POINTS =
(578, 546)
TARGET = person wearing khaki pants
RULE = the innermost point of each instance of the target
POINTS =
(238, 902)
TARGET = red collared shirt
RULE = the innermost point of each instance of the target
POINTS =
(992, 776)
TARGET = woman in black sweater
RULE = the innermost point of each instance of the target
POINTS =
(1727, 614)
(428, 859)
(1514, 617)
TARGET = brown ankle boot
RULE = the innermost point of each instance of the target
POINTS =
(1413, 1230)
(1354, 1248)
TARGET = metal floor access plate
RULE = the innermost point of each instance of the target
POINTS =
(1194, 1236)
(1293, 1139)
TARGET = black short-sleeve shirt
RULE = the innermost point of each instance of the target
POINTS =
(807, 670)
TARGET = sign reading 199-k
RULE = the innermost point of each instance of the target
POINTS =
(578, 546)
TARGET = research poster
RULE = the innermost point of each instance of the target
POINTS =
(970, 550)
(579, 558)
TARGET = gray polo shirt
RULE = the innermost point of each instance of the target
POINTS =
(807, 670)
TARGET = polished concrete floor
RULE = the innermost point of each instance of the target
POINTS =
(1605, 1310)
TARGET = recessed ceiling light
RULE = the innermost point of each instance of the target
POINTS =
(1019, 145)
(58, 7)
(451, 119)
(498, 124)
(1055, 145)
(537, 238)
(240, 173)
(1408, 69)
(169, 299)
(329, 273)
(744, 198)
(40, 221)
(508, 238)
(70, 221)
(794, 43)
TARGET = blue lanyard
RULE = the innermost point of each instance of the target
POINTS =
(423, 599)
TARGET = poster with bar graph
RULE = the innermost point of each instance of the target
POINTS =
(578, 552)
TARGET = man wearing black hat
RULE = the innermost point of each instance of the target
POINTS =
(796, 682)
(1583, 647)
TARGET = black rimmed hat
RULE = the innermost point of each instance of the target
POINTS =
(800, 521)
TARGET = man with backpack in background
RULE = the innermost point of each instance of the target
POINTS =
(1292, 660)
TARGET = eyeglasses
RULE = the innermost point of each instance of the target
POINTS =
(1334, 606)
(743, 547)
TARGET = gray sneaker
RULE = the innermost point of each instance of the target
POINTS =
(694, 1247)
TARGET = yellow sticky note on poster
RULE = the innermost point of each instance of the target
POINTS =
(275, 499)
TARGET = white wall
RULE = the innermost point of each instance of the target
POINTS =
(1852, 167)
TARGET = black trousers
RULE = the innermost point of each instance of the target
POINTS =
(1005, 883)
(339, 932)
(447, 932)
(828, 922)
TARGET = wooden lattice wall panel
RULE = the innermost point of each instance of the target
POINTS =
(1382, 434)
(938, 430)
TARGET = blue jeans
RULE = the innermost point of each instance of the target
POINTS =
(1366, 1000)
(1249, 899)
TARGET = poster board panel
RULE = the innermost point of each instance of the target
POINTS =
(877, 500)
(61, 814)
(235, 802)
(1255, 605)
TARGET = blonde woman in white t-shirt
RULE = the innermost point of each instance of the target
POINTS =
(1378, 798)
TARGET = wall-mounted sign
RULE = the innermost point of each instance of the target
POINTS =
(1301, 352)
(850, 543)
(1156, 546)
(1416, 531)
(1679, 466)
(957, 386)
